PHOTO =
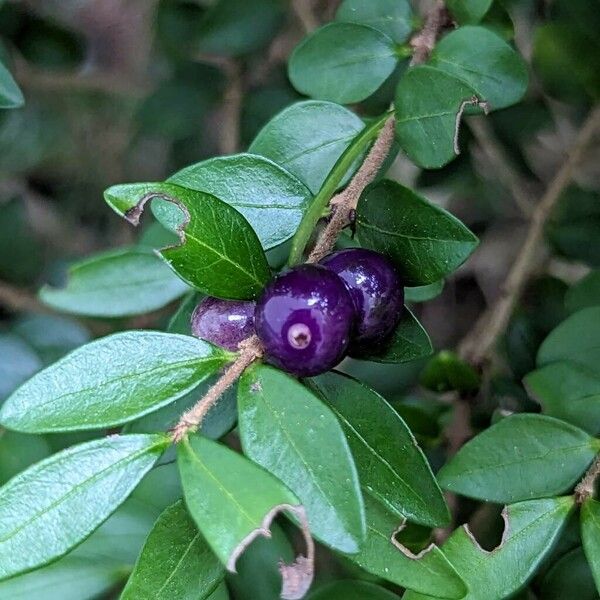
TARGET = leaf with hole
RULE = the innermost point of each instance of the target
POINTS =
(175, 562)
(272, 199)
(424, 241)
(521, 457)
(111, 381)
(286, 428)
(54, 505)
(219, 253)
(308, 138)
(342, 62)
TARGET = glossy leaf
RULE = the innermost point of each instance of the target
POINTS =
(111, 381)
(116, 284)
(590, 534)
(427, 104)
(352, 590)
(54, 505)
(584, 293)
(530, 530)
(272, 200)
(574, 340)
(408, 342)
(307, 139)
(391, 466)
(10, 94)
(485, 62)
(287, 430)
(237, 494)
(219, 254)
(469, 11)
(342, 62)
(426, 242)
(423, 293)
(392, 17)
(426, 573)
(520, 457)
(569, 392)
(175, 563)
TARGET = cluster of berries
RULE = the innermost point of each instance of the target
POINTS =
(309, 317)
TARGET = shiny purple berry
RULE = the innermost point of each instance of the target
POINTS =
(223, 322)
(304, 319)
(376, 290)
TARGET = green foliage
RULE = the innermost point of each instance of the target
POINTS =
(590, 534)
(469, 11)
(446, 372)
(10, 94)
(111, 381)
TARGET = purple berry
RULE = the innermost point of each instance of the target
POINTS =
(304, 319)
(376, 290)
(223, 322)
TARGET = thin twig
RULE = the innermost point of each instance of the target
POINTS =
(345, 202)
(250, 350)
(229, 142)
(304, 11)
(585, 488)
(424, 41)
(479, 343)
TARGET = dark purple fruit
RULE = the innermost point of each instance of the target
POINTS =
(223, 322)
(376, 290)
(304, 319)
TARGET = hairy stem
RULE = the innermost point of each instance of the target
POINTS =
(478, 345)
(585, 488)
(190, 421)
(330, 185)
(424, 41)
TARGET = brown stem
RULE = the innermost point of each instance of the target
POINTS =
(20, 300)
(479, 343)
(424, 41)
(304, 11)
(585, 488)
(250, 350)
(229, 142)
(345, 202)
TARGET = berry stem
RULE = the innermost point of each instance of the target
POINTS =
(330, 185)
(190, 421)
(346, 201)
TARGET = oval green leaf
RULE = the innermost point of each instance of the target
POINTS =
(175, 562)
(119, 283)
(308, 138)
(220, 254)
(342, 62)
(272, 200)
(111, 381)
(590, 534)
(54, 505)
(468, 11)
(521, 457)
(391, 466)
(485, 62)
(424, 241)
(287, 430)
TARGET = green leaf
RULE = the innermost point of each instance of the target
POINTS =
(447, 372)
(423, 293)
(574, 340)
(584, 293)
(308, 138)
(52, 506)
(469, 11)
(483, 61)
(427, 104)
(219, 254)
(569, 392)
(392, 17)
(272, 199)
(530, 530)
(429, 572)
(119, 283)
(175, 563)
(569, 577)
(10, 94)
(287, 430)
(111, 381)
(390, 464)
(521, 457)
(424, 241)
(408, 342)
(239, 496)
(342, 62)
(352, 590)
(590, 534)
